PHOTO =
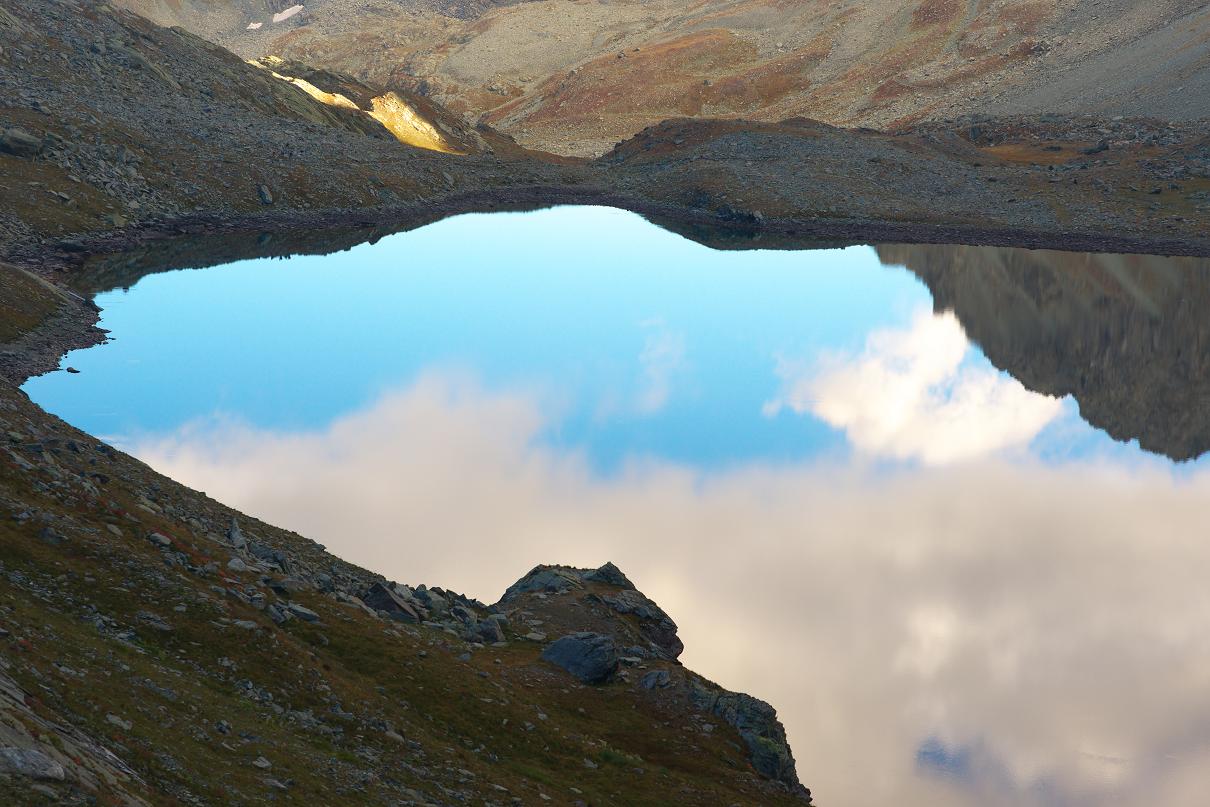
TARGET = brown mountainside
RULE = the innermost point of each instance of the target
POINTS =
(574, 76)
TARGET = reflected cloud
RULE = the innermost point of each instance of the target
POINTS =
(913, 395)
(662, 356)
(990, 634)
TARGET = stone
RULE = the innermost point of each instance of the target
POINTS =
(262, 763)
(51, 536)
(235, 537)
(431, 600)
(265, 195)
(290, 585)
(382, 598)
(31, 763)
(464, 615)
(759, 728)
(590, 657)
(656, 679)
(19, 143)
(303, 613)
(610, 575)
(160, 540)
(237, 565)
(490, 631)
(544, 579)
(114, 720)
(655, 624)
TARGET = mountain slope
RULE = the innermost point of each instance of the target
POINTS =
(577, 76)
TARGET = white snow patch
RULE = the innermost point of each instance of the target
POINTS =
(287, 14)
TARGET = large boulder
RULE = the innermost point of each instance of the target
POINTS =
(31, 763)
(381, 598)
(545, 579)
(608, 574)
(656, 625)
(591, 657)
(629, 616)
(19, 143)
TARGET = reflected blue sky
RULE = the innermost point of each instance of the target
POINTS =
(637, 341)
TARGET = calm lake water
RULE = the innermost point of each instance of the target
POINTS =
(956, 588)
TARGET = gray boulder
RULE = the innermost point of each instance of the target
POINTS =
(432, 600)
(655, 624)
(19, 143)
(31, 763)
(302, 612)
(235, 537)
(610, 575)
(381, 598)
(489, 631)
(548, 579)
(656, 679)
(591, 657)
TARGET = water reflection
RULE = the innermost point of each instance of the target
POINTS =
(1126, 335)
(955, 591)
(992, 632)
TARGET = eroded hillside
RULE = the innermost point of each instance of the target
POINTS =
(576, 76)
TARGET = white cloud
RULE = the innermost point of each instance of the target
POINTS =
(662, 356)
(911, 394)
(1053, 619)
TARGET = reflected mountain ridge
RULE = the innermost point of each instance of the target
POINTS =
(1125, 335)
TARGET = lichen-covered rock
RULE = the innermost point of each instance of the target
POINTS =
(610, 575)
(19, 143)
(656, 625)
(31, 763)
(758, 726)
(591, 657)
(544, 579)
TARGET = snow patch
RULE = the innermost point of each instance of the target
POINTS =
(287, 14)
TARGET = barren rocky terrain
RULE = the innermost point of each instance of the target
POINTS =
(576, 76)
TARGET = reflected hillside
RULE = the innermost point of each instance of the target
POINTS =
(1125, 335)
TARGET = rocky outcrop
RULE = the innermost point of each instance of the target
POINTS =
(599, 615)
(757, 723)
(646, 627)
